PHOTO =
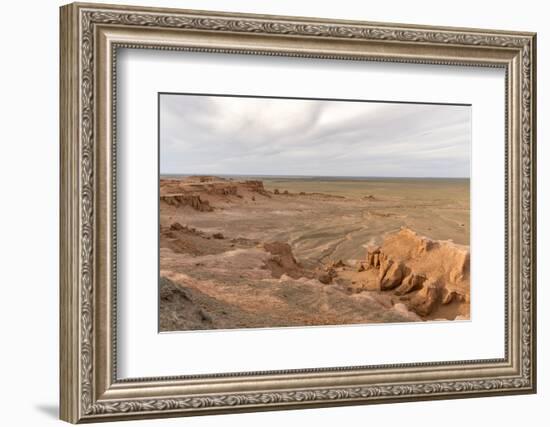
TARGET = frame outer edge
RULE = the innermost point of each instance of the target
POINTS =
(534, 269)
(305, 19)
(77, 339)
(69, 354)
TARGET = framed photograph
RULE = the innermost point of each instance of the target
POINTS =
(267, 212)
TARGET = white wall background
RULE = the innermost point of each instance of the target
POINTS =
(29, 170)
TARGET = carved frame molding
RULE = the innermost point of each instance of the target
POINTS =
(90, 390)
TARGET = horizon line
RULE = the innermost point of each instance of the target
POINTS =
(311, 176)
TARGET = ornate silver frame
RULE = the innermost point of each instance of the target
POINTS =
(90, 36)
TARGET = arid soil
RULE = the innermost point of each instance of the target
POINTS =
(298, 252)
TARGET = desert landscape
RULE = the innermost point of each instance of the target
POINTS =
(265, 251)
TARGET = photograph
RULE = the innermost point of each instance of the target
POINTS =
(296, 212)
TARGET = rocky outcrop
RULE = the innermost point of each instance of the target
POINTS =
(425, 274)
(222, 190)
(204, 193)
(255, 186)
(282, 260)
(392, 275)
(176, 226)
(426, 299)
(191, 200)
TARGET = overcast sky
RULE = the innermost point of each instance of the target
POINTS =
(259, 136)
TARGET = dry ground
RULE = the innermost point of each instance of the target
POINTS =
(281, 252)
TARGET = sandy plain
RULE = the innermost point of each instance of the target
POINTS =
(251, 252)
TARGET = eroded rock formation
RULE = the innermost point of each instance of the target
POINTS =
(191, 200)
(204, 193)
(424, 273)
(282, 260)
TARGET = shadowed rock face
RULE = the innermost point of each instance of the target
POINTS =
(412, 282)
(393, 275)
(191, 200)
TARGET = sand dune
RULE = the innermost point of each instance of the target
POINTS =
(252, 253)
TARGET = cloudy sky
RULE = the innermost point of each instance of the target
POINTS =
(269, 136)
